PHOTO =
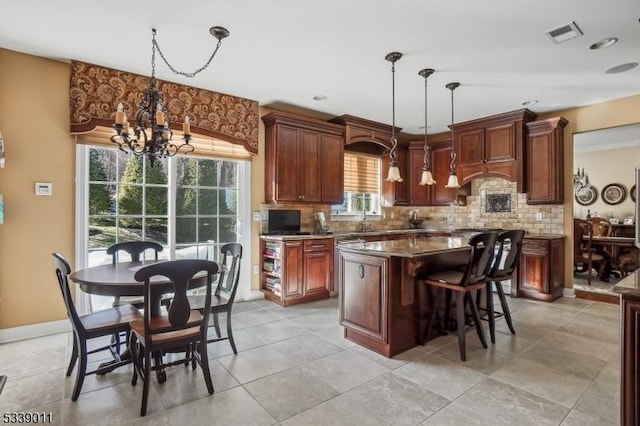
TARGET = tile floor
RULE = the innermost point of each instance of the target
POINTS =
(295, 368)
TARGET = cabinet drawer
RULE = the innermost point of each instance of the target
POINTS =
(318, 245)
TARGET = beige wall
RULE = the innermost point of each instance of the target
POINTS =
(34, 119)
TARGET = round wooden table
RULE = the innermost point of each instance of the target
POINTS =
(118, 280)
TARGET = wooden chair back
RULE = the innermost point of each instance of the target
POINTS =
(231, 255)
(601, 227)
(180, 273)
(514, 239)
(582, 236)
(62, 270)
(134, 248)
(480, 258)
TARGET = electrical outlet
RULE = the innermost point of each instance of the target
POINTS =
(256, 269)
(257, 216)
(539, 216)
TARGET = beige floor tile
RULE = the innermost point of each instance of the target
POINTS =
(254, 364)
(345, 370)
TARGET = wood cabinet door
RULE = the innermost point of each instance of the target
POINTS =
(332, 161)
(363, 294)
(470, 147)
(534, 267)
(419, 195)
(395, 193)
(317, 272)
(545, 179)
(309, 171)
(500, 143)
(287, 165)
(440, 166)
(292, 274)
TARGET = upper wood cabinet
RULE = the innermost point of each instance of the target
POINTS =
(545, 158)
(440, 160)
(303, 159)
(374, 138)
(492, 146)
(395, 193)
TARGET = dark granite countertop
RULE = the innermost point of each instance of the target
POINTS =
(630, 285)
(409, 247)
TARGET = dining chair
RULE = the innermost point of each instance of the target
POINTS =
(97, 324)
(471, 277)
(225, 293)
(135, 249)
(503, 269)
(583, 253)
(181, 328)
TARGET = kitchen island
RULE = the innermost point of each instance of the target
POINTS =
(379, 302)
(629, 290)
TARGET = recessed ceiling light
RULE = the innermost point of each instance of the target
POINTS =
(530, 102)
(320, 98)
(605, 42)
(621, 68)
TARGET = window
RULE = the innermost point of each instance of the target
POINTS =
(188, 204)
(361, 186)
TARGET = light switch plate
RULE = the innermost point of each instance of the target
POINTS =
(44, 188)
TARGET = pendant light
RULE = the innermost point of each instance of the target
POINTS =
(427, 177)
(394, 172)
(453, 179)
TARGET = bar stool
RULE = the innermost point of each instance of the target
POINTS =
(502, 271)
(471, 277)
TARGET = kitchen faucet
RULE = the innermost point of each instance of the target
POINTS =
(363, 225)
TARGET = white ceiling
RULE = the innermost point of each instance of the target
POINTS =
(285, 52)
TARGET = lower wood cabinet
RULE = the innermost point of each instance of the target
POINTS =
(296, 270)
(541, 269)
(630, 369)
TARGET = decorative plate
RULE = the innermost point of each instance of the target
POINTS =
(614, 193)
(632, 193)
(586, 196)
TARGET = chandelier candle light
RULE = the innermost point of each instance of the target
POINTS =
(427, 177)
(453, 179)
(152, 134)
(394, 172)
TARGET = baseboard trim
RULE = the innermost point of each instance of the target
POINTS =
(598, 297)
(569, 292)
(34, 330)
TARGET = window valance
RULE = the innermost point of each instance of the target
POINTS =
(95, 92)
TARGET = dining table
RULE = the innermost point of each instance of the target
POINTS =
(614, 244)
(118, 279)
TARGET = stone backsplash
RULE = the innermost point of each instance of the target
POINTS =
(504, 208)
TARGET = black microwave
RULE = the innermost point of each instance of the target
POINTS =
(283, 222)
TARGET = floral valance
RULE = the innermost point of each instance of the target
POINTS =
(95, 92)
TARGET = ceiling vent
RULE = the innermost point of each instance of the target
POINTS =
(563, 33)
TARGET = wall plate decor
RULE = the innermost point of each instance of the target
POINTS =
(614, 193)
(632, 193)
(586, 196)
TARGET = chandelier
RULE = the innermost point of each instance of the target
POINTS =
(427, 177)
(152, 134)
(394, 172)
(580, 181)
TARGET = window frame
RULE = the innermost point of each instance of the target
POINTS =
(83, 301)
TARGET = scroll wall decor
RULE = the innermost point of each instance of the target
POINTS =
(95, 92)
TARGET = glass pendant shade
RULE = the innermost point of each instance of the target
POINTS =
(452, 182)
(394, 173)
(427, 178)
